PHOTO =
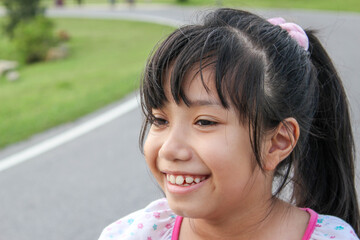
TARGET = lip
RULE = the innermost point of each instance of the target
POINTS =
(183, 173)
(176, 189)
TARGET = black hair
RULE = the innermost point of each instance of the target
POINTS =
(267, 77)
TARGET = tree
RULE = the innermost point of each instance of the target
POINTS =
(20, 11)
(30, 32)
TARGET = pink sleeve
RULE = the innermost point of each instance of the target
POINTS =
(176, 230)
(155, 221)
(311, 225)
(309, 230)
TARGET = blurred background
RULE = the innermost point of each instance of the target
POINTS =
(64, 63)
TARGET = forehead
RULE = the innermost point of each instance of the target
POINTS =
(197, 86)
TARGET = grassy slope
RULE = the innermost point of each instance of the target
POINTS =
(106, 60)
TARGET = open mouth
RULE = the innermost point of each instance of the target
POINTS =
(184, 180)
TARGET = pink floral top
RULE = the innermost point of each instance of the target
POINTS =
(158, 222)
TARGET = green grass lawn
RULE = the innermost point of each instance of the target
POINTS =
(106, 60)
(335, 5)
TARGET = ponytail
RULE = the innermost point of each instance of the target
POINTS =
(326, 172)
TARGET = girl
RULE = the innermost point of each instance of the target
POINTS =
(237, 108)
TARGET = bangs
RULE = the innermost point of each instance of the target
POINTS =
(239, 68)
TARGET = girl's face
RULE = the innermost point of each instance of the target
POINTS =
(201, 156)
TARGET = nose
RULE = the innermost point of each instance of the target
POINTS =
(176, 146)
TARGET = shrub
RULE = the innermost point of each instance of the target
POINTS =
(33, 38)
(18, 11)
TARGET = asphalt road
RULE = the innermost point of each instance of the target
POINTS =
(75, 190)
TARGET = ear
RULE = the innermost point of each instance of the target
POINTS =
(280, 143)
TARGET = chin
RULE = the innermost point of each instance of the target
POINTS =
(186, 209)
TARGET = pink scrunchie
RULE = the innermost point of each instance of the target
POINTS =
(294, 30)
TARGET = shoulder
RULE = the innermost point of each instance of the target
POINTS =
(156, 221)
(331, 227)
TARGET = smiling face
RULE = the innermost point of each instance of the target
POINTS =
(201, 155)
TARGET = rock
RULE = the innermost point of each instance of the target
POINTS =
(12, 76)
(63, 36)
(56, 53)
(6, 66)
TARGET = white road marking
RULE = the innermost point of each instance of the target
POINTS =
(69, 135)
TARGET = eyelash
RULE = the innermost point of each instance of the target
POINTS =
(204, 122)
(159, 121)
(201, 122)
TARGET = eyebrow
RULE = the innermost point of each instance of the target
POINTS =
(200, 102)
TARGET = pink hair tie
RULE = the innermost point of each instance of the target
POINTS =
(294, 30)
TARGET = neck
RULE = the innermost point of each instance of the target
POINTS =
(254, 223)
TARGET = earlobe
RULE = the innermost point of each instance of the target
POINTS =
(281, 143)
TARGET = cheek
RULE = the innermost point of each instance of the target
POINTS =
(229, 156)
(151, 150)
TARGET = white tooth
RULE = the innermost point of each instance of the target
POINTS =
(168, 177)
(189, 179)
(179, 180)
(172, 179)
(186, 184)
(197, 180)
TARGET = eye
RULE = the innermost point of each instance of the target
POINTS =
(159, 122)
(203, 122)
